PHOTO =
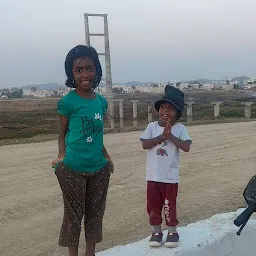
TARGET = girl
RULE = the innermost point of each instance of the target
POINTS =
(83, 165)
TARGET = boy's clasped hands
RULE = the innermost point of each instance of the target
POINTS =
(167, 130)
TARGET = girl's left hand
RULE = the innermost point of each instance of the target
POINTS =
(111, 165)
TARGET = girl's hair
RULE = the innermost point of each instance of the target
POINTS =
(81, 51)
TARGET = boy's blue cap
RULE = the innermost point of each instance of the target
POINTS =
(173, 96)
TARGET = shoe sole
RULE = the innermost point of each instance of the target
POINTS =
(155, 244)
(171, 244)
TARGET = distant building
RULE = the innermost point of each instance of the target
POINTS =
(183, 86)
(45, 93)
(207, 87)
(240, 85)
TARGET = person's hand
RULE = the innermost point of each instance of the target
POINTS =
(57, 161)
(111, 164)
(167, 129)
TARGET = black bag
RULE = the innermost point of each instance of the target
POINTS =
(250, 198)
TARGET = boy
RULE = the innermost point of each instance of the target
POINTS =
(163, 139)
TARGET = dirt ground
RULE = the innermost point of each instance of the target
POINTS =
(213, 175)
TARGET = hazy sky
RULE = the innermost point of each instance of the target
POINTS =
(150, 40)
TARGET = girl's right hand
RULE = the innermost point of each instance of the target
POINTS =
(57, 161)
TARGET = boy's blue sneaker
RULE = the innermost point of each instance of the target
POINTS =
(172, 240)
(156, 240)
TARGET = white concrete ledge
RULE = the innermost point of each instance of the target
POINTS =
(211, 237)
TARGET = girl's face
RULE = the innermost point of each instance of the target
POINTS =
(84, 73)
(167, 112)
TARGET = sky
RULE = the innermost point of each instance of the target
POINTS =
(150, 40)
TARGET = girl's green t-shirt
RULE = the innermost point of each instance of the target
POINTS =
(84, 138)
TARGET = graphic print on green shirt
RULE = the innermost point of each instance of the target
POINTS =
(84, 138)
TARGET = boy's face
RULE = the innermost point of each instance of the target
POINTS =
(84, 72)
(167, 112)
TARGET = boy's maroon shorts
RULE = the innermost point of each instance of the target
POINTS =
(162, 196)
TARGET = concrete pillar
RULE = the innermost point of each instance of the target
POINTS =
(109, 89)
(121, 113)
(149, 110)
(87, 32)
(111, 113)
(247, 110)
(189, 111)
(216, 106)
(135, 112)
(34, 105)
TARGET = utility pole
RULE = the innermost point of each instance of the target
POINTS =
(108, 74)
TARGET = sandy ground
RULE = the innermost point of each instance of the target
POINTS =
(213, 175)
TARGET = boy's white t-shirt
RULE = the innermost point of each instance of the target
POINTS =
(163, 160)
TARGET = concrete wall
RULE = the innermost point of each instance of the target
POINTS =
(212, 237)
